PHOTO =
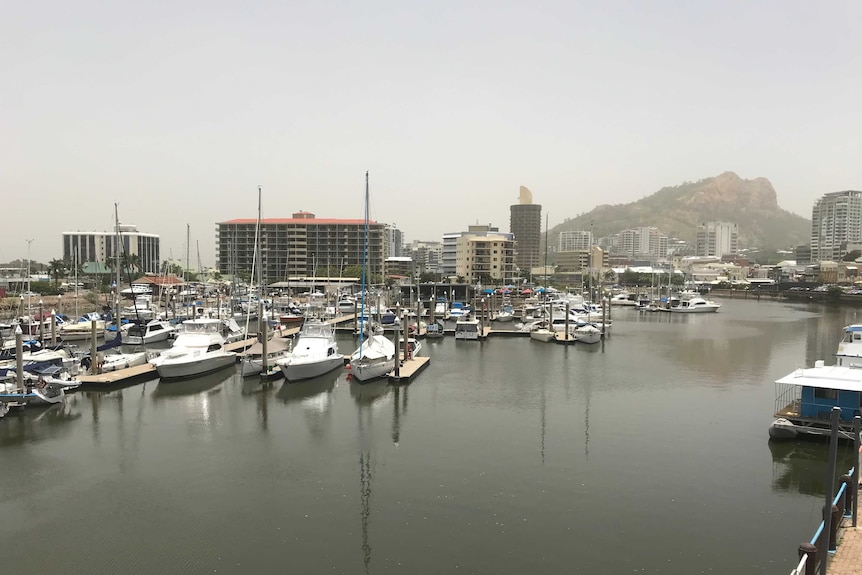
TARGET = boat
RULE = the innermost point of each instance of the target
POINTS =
(541, 331)
(624, 299)
(252, 359)
(4, 409)
(695, 304)
(467, 329)
(804, 400)
(850, 347)
(83, 328)
(198, 349)
(414, 348)
(506, 313)
(459, 310)
(314, 352)
(587, 333)
(435, 329)
(39, 390)
(375, 356)
(145, 334)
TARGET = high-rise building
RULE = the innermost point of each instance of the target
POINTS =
(644, 242)
(717, 239)
(525, 223)
(141, 249)
(428, 256)
(835, 219)
(394, 241)
(299, 247)
(572, 240)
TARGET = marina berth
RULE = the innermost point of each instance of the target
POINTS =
(804, 399)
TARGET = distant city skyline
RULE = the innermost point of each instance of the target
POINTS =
(178, 112)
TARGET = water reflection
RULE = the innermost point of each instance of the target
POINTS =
(800, 466)
(399, 405)
(194, 386)
(32, 424)
(315, 399)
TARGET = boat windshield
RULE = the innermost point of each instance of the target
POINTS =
(200, 327)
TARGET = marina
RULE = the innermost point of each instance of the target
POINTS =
(556, 455)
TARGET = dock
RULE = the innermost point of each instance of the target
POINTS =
(409, 369)
(118, 376)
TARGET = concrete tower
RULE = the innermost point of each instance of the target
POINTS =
(525, 223)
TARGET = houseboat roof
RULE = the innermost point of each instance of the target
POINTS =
(854, 327)
(826, 377)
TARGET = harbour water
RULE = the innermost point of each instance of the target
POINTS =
(645, 454)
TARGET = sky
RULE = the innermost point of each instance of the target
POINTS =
(178, 111)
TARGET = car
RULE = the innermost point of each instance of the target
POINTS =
(30, 294)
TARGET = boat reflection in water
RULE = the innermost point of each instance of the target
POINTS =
(36, 424)
(314, 398)
(193, 386)
(800, 466)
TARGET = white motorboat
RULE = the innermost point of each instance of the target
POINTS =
(587, 333)
(850, 347)
(414, 348)
(252, 358)
(198, 349)
(81, 329)
(695, 305)
(150, 332)
(506, 313)
(314, 352)
(467, 329)
(374, 358)
(624, 299)
(542, 333)
(115, 361)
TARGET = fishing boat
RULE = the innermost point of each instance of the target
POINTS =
(850, 347)
(375, 356)
(198, 349)
(314, 353)
(804, 400)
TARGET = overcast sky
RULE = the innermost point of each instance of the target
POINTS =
(179, 110)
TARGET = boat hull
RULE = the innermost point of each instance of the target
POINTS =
(369, 370)
(297, 371)
(542, 335)
(178, 369)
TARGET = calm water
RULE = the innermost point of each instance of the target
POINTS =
(648, 454)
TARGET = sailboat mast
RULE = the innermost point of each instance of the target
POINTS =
(365, 323)
(117, 256)
(261, 319)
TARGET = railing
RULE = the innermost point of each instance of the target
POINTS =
(813, 555)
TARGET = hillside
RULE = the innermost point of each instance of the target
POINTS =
(676, 211)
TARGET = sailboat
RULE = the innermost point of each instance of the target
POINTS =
(375, 356)
(262, 356)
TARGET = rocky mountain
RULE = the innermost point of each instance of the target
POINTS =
(677, 211)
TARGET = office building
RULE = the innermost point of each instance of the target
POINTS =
(571, 240)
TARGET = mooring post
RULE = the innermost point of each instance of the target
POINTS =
(825, 543)
(834, 524)
(810, 551)
(847, 497)
(857, 448)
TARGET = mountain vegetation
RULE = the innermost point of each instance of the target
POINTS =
(676, 211)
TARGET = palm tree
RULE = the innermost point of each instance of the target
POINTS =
(57, 269)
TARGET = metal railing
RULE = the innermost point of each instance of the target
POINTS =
(813, 555)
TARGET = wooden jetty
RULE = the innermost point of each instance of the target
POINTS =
(118, 376)
(409, 369)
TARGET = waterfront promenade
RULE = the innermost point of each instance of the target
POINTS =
(848, 557)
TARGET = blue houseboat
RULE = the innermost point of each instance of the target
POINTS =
(804, 400)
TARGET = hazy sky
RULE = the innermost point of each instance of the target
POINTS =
(179, 110)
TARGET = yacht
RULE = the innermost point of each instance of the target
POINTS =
(198, 349)
(314, 352)
(694, 304)
(467, 329)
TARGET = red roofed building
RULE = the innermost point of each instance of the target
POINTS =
(298, 247)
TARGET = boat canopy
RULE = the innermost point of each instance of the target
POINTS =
(826, 377)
